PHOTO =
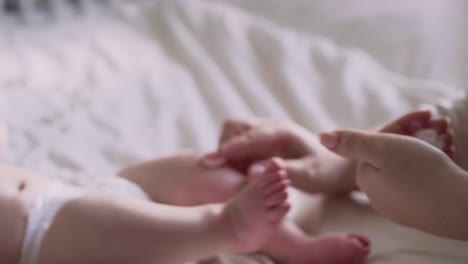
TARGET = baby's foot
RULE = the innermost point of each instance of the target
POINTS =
(256, 211)
(331, 249)
(420, 124)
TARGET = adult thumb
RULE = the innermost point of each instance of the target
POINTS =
(353, 144)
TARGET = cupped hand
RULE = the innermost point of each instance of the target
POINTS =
(310, 166)
(406, 180)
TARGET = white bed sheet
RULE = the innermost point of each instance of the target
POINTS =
(416, 38)
(84, 98)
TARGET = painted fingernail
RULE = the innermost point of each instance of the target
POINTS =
(213, 161)
(329, 140)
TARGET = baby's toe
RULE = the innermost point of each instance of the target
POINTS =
(277, 186)
(274, 166)
(358, 247)
(409, 123)
(276, 199)
(363, 241)
(278, 213)
(440, 125)
(448, 138)
(450, 151)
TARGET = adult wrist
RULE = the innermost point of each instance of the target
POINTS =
(460, 206)
(450, 206)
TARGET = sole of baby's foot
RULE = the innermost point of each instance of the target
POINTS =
(256, 211)
(331, 249)
(420, 124)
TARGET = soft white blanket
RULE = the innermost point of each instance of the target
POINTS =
(87, 96)
(418, 38)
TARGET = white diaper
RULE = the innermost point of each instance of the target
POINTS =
(54, 196)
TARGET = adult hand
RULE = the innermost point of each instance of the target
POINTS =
(407, 180)
(311, 167)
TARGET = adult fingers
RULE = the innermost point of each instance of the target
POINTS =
(235, 127)
(252, 143)
(358, 145)
(366, 176)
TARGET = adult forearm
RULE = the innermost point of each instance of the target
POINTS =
(457, 227)
(447, 214)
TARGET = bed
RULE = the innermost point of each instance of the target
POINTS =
(125, 81)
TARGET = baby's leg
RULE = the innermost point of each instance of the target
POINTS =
(181, 180)
(114, 229)
(289, 244)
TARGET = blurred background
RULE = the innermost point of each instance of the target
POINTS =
(417, 38)
(89, 86)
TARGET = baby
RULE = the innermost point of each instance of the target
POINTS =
(50, 222)
(208, 211)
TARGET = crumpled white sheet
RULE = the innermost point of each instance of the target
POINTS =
(417, 38)
(85, 97)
